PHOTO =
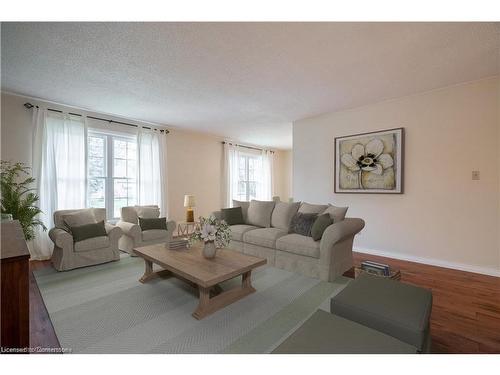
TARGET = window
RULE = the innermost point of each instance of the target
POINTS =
(112, 172)
(249, 168)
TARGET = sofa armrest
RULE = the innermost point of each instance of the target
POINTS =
(61, 238)
(130, 229)
(339, 231)
(336, 247)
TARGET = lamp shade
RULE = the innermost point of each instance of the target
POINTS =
(189, 201)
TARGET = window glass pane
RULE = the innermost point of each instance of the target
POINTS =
(242, 188)
(252, 190)
(132, 192)
(120, 192)
(120, 148)
(119, 168)
(97, 167)
(132, 150)
(96, 191)
(131, 168)
(96, 146)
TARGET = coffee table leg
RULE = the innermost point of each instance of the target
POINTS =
(209, 305)
(149, 274)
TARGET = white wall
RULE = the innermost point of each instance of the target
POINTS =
(194, 159)
(443, 217)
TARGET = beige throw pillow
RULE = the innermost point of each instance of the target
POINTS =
(148, 212)
(244, 208)
(283, 214)
(336, 213)
(259, 213)
(76, 219)
(307, 208)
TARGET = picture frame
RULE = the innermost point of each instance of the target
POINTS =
(369, 163)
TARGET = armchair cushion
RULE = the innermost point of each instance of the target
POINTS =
(92, 244)
(153, 223)
(86, 231)
(154, 234)
(76, 218)
(148, 212)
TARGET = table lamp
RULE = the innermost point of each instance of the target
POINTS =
(189, 203)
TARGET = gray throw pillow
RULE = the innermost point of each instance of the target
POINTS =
(244, 208)
(259, 213)
(320, 224)
(86, 231)
(283, 214)
(153, 223)
(336, 213)
(302, 223)
(307, 208)
(232, 216)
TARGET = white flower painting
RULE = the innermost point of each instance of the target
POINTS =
(370, 162)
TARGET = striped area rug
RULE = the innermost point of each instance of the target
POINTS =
(104, 309)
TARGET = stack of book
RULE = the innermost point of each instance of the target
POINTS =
(376, 268)
(178, 244)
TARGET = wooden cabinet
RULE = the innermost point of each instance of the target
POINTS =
(15, 286)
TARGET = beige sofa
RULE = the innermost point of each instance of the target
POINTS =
(325, 259)
(68, 255)
(133, 236)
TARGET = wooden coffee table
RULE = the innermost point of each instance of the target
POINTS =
(205, 274)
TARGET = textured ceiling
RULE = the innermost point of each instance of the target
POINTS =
(245, 81)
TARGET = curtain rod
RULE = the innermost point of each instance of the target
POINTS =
(252, 148)
(29, 106)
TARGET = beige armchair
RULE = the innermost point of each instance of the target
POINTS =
(68, 255)
(133, 236)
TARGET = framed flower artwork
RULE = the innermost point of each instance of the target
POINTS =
(370, 162)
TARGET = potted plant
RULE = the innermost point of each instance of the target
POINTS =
(18, 197)
(214, 233)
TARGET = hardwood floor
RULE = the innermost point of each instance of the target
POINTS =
(465, 313)
(466, 306)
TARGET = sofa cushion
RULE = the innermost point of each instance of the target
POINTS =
(302, 223)
(232, 216)
(283, 214)
(394, 308)
(298, 244)
(244, 208)
(86, 231)
(265, 237)
(336, 213)
(320, 224)
(237, 231)
(259, 213)
(307, 208)
(77, 218)
(92, 244)
(153, 223)
(154, 234)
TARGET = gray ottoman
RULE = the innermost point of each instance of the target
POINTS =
(399, 310)
(325, 333)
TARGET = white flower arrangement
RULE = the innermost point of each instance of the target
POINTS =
(212, 229)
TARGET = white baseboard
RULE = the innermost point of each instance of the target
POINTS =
(432, 262)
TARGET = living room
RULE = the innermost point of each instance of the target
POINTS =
(251, 188)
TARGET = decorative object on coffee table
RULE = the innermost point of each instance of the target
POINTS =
(185, 228)
(370, 162)
(204, 274)
(214, 233)
(189, 203)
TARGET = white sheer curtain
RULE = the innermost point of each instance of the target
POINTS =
(230, 173)
(59, 167)
(152, 171)
(262, 172)
(265, 185)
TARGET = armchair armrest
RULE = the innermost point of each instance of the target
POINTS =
(130, 229)
(61, 238)
(113, 232)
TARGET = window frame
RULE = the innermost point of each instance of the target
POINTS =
(109, 178)
(247, 181)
